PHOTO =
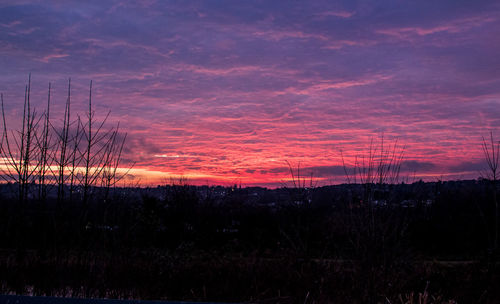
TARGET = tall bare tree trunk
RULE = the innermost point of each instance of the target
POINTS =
(63, 145)
(44, 150)
(89, 147)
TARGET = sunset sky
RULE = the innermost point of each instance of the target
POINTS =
(226, 92)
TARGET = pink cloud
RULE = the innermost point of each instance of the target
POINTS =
(50, 57)
(453, 27)
(11, 24)
(277, 35)
(341, 14)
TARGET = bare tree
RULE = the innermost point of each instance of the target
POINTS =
(76, 153)
(95, 144)
(61, 157)
(112, 159)
(44, 145)
(491, 155)
(75, 158)
(21, 156)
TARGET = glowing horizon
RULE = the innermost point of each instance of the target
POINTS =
(227, 92)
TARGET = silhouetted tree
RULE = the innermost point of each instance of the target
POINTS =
(19, 150)
(491, 155)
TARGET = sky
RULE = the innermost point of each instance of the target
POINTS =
(225, 92)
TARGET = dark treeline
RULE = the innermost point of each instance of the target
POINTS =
(285, 245)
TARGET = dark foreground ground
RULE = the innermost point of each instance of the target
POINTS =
(15, 299)
(419, 243)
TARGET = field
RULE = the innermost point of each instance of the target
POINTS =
(408, 243)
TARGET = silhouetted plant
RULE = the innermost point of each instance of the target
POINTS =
(112, 160)
(61, 156)
(379, 166)
(33, 157)
(44, 143)
(93, 153)
(302, 185)
(21, 157)
(491, 149)
(375, 231)
(75, 158)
